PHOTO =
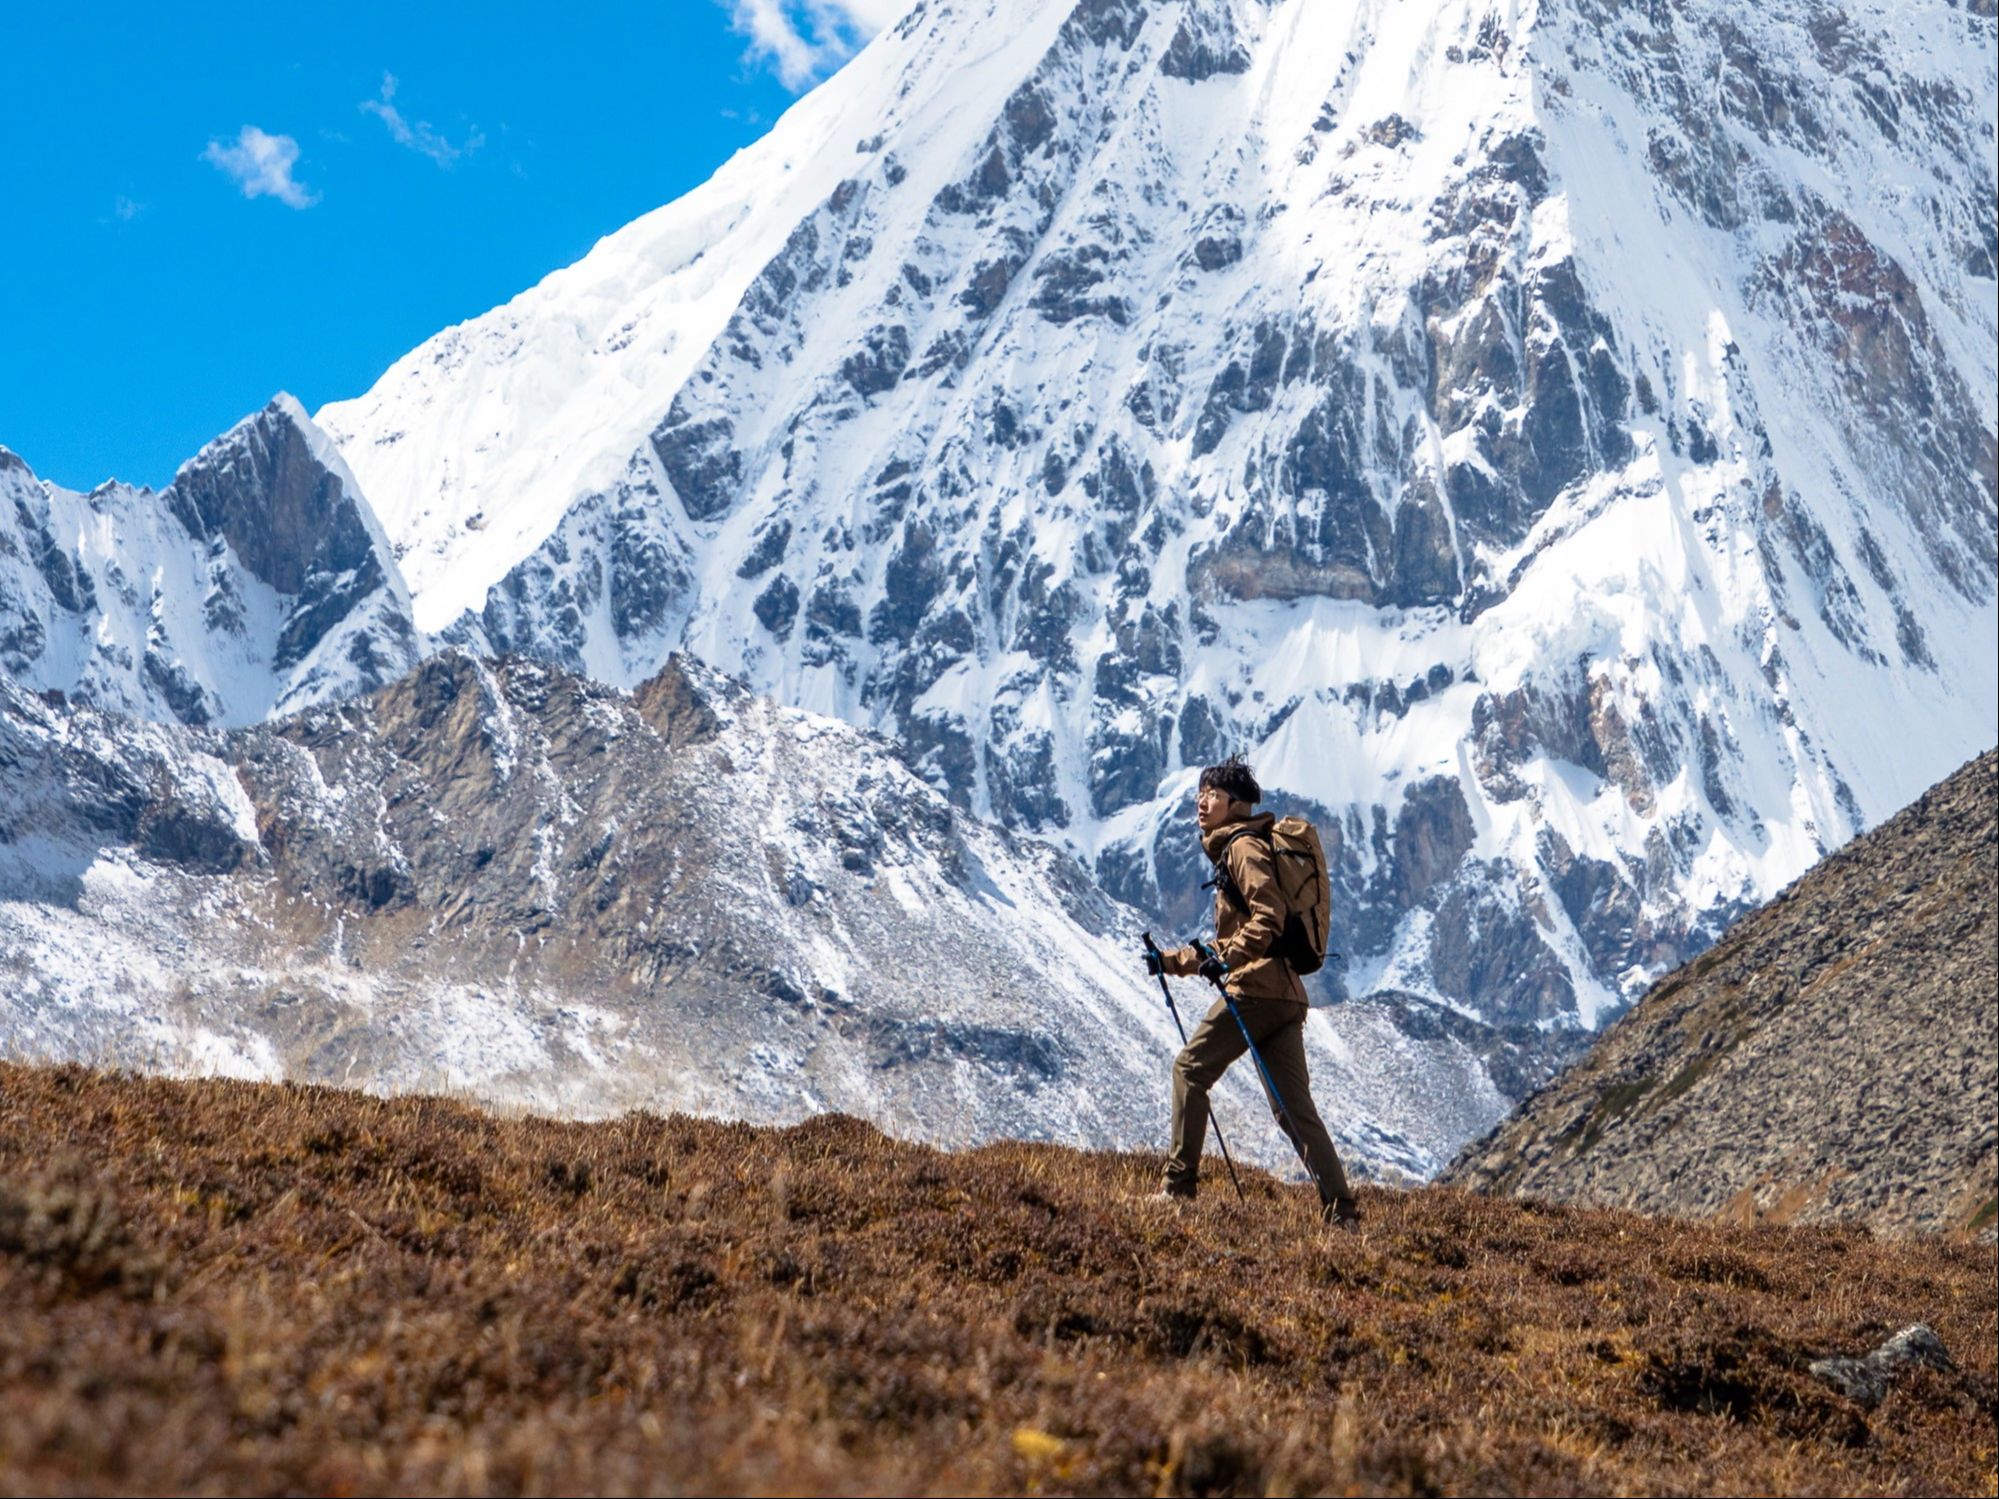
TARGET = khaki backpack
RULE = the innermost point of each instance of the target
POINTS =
(1300, 861)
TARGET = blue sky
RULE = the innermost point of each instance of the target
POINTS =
(205, 205)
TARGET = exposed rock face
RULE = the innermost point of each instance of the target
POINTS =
(72, 782)
(256, 583)
(1077, 392)
(504, 878)
(1830, 1058)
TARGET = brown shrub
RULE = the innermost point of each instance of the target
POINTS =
(228, 1287)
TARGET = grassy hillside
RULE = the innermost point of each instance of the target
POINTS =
(235, 1287)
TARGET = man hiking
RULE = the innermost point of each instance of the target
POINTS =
(1250, 916)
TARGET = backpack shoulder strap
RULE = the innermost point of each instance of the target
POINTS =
(1224, 880)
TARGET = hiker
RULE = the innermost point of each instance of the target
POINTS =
(1250, 916)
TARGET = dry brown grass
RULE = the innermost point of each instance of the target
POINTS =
(226, 1287)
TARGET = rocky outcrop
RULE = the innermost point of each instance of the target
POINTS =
(1869, 1378)
(1829, 1059)
(72, 781)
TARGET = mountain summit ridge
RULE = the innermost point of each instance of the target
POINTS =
(256, 583)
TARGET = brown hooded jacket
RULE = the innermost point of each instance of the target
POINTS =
(1244, 938)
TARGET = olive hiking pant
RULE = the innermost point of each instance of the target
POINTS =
(1278, 1026)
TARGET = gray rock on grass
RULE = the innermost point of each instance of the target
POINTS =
(1867, 1379)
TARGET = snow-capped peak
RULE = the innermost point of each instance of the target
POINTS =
(256, 582)
(1556, 443)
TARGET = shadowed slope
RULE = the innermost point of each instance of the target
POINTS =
(1831, 1058)
(239, 1287)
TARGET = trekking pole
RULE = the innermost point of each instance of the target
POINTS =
(1174, 1011)
(1263, 1070)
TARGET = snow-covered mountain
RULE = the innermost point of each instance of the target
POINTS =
(503, 880)
(1555, 441)
(256, 583)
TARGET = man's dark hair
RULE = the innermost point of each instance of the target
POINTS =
(1235, 777)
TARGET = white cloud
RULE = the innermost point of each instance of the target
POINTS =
(127, 209)
(262, 166)
(418, 135)
(804, 40)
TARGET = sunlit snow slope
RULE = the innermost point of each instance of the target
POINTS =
(1555, 442)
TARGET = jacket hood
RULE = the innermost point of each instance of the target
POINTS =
(1214, 841)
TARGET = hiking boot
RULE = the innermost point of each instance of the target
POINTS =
(1167, 1197)
(1343, 1215)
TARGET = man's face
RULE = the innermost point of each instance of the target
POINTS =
(1215, 808)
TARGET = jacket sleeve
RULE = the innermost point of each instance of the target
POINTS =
(1255, 874)
(1181, 962)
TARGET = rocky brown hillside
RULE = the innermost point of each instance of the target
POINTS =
(505, 880)
(223, 1287)
(1831, 1058)
(501, 879)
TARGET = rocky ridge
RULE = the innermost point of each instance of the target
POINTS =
(1831, 1058)
(501, 879)
(257, 583)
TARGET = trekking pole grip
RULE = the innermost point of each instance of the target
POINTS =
(1207, 955)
